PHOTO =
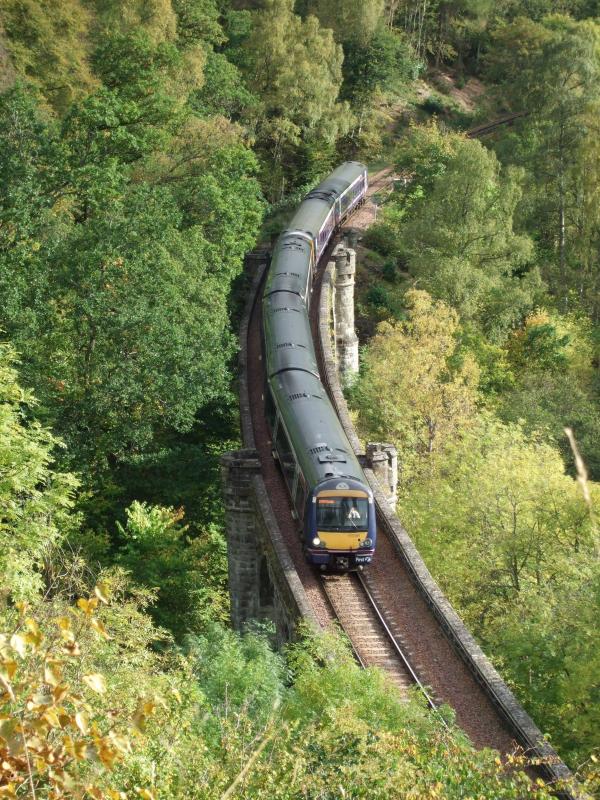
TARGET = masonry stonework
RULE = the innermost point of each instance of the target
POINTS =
(382, 458)
(346, 340)
(244, 557)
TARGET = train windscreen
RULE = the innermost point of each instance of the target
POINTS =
(342, 514)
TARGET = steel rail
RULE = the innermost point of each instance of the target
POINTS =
(483, 130)
(399, 651)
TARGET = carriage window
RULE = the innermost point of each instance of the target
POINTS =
(342, 514)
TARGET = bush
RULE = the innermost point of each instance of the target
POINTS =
(389, 270)
(382, 238)
(379, 297)
(434, 104)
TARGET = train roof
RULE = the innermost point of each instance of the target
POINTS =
(320, 443)
(290, 266)
(288, 338)
(314, 208)
(321, 446)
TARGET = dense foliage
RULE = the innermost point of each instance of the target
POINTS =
(141, 143)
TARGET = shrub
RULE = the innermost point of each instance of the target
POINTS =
(382, 238)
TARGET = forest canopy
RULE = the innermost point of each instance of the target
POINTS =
(145, 147)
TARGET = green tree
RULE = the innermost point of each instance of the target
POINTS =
(223, 91)
(198, 21)
(411, 390)
(156, 18)
(379, 64)
(460, 240)
(113, 252)
(36, 501)
(525, 554)
(351, 21)
(30, 163)
(553, 74)
(140, 338)
(294, 67)
(546, 402)
(48, 43)
(188, 573)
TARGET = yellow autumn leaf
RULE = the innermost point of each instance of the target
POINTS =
(107, 755)
(145, 794)
(139, 721)
(34, 637)
(31, 625)
(102, 592)
(40, 765)
(81, 721)
(76, 749)
(120, 743)
(99, 628)
(52, 672)
(52, 718)
(18, 643)
(10, 733)
(96, 682)
(87, 606)
(8, 667)
(59, 692)
(39, 725)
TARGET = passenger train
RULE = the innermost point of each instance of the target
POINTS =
(329, 492)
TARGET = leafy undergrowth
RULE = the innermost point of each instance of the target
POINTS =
(89, 709)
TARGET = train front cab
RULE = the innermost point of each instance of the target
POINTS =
(339, 525)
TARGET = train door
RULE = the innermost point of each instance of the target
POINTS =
(287, 460)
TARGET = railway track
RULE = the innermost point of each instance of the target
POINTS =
(490, 127)
(376, 642)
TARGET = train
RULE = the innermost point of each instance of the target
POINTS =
(330, 496)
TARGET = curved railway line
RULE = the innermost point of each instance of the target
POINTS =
(388, 620)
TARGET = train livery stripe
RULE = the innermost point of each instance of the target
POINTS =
(334, 540)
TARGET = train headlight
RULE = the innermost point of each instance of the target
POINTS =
(316, 541)
(366, 542)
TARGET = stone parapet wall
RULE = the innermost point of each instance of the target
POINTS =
(525, 730)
